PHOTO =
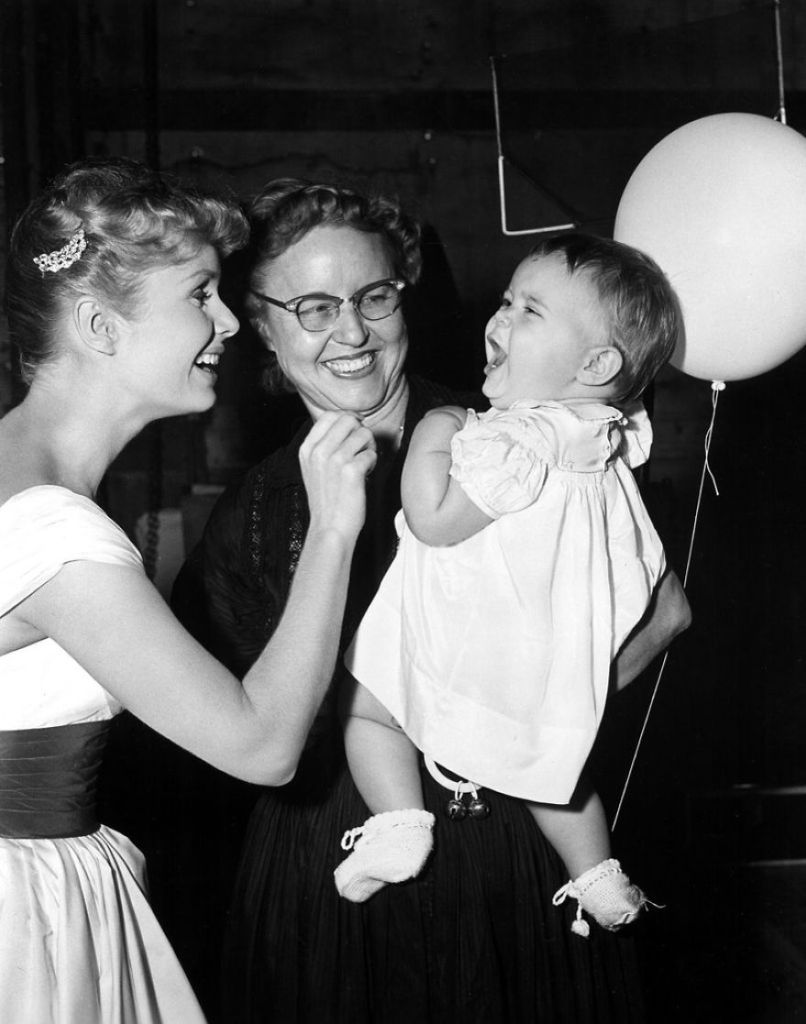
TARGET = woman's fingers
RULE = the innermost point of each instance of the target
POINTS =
(340, 436)
(335, 459)
(330, 429)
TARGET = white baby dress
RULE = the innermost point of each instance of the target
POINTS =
(494, 654)
(79, 943)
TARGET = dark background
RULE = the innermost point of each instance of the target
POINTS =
(398, 98)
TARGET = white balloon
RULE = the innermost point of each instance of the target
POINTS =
(720, 204)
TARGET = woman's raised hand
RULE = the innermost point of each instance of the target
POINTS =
(335, 458)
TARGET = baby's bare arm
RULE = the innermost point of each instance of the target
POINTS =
(438, 511)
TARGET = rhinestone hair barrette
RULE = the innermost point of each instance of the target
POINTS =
(61, 259)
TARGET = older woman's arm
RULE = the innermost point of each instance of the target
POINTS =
(668, 615)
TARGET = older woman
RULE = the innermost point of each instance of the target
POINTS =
(328, 273)
(113, 302)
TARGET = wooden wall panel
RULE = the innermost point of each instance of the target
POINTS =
(349, 45)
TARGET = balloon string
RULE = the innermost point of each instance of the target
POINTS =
(638, 743)
(779, 61)
(716, 387)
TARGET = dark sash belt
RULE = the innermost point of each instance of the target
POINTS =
(48, 780)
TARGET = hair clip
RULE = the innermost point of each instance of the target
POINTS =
(61, 259)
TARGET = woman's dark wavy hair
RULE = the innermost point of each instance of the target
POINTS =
(288, 208)
(134, 221)
(645, 320)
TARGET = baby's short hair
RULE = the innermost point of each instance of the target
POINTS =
(645, 320)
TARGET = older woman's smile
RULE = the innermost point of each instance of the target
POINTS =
(354, 366)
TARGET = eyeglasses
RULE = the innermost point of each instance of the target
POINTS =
(318, 311)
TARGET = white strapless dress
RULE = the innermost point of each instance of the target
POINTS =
(79, 943)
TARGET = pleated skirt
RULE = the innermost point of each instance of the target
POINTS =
(474, 940)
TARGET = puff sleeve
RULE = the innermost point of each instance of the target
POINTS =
(501, 464)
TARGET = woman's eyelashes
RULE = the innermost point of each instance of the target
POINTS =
(202, 293)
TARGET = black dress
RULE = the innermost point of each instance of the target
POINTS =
(475, 938)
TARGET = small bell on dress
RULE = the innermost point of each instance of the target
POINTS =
(478, 808)
(455, 809)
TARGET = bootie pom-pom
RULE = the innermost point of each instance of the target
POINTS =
(605, 893)
(581, 927)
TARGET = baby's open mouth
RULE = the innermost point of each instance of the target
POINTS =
(497, 356)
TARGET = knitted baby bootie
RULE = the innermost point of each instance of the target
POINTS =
(606, 894)
(388, 847)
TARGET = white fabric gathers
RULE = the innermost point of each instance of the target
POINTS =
(494, 654)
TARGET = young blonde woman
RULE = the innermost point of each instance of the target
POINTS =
(113, 302)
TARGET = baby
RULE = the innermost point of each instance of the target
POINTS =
(526, 558)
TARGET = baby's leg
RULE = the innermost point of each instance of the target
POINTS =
(580, 835)
(578, 831)
(395, 842)
(383, 761)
